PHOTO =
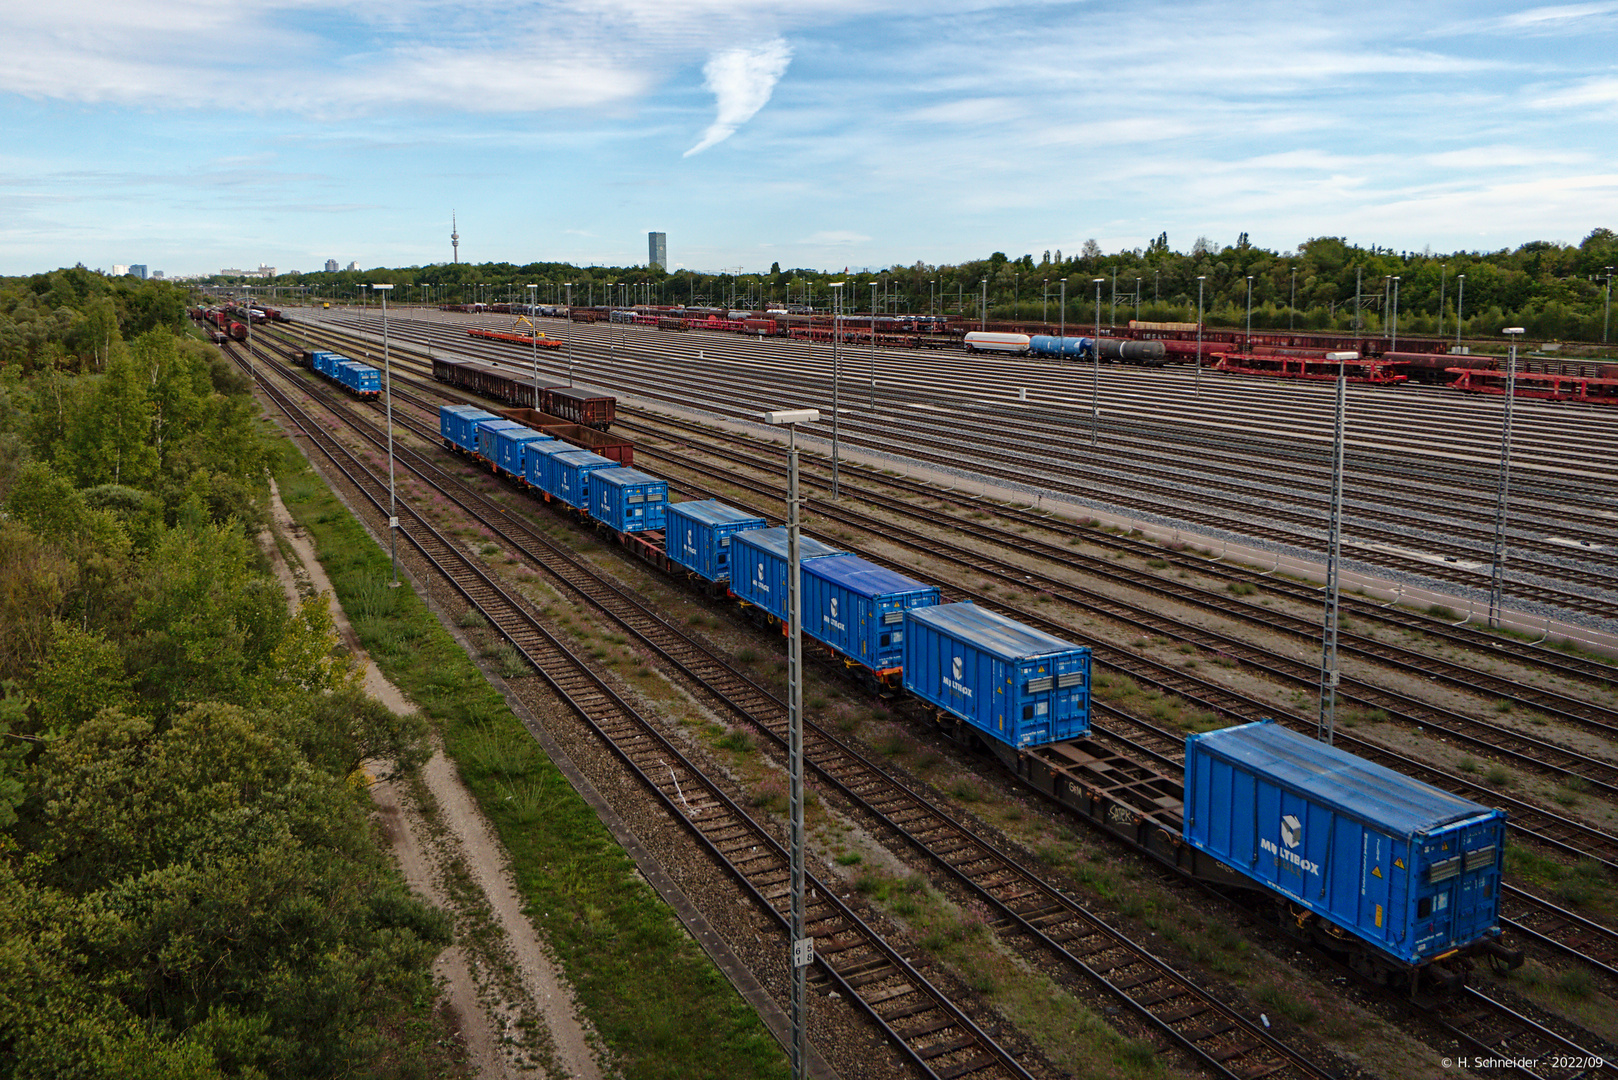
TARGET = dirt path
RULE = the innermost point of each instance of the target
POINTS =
(449, 855)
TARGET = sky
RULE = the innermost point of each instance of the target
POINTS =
(192, 137)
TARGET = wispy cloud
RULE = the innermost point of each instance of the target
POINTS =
(1557, 17)
(1585, 93)
(742, 81)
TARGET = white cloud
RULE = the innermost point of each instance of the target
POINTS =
(1557, 17)
(1595, 91)
(741, 81)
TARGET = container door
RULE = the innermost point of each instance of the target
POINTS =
(1038, 698)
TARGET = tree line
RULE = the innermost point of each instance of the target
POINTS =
(1556, 291)
(189, 882)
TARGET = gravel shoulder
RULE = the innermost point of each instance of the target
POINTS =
(451, 857)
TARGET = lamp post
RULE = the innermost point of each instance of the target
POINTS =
(1497, 576)
(1095, 365)
(983, 306)
(1326, 722)
(387, 394)
(1061, 314)
(1247, 345)
(932, 293)
(1045, 303)
(1292, 302)
(836, 376)
(1201, 278)
(569, 286)
(533, 328)
(802, 952)
(873, 347)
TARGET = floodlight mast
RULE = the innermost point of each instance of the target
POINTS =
(387, 375)
(802, 948)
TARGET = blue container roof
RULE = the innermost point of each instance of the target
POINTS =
(626, 476)
(498, 425)
(526, 435)
(865, 578)
(991, 631)
(554, 447)
(774, 541)
(1338, 779)
(468, 412)
(713, 513)
(584, 457)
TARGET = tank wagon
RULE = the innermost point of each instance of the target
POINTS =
(992, 341)
(1396, 878)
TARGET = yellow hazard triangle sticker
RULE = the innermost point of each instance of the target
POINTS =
(1376, 871)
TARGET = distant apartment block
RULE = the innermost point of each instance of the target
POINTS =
(157, 275)
(331, 266)
(353, 266)
(120, 269)
(657, 250)
(137, 270)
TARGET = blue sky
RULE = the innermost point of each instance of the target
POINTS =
(191, 137)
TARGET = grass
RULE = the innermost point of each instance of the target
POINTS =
(661, 1008)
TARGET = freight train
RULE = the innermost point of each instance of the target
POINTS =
(575, 404)
(361, 380)
(1113, 350)
(1398, 879)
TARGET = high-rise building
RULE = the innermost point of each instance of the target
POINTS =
(353, 265)
(137, 270)
(120, 269)
(157, 275)
(331, 266)
(657, 250)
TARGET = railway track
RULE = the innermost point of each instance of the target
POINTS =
(1550, 828)
(939, 1038)
(1518, 1032)
(1488, 739)
(1072, 939)
(1545, 826)
(722, 397)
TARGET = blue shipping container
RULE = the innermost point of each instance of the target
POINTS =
(628, 500)
(1413, 870)
(536, 462)
(570, 476)
(487, 444)
(758, 565)
(328, 363)
(358, 377)
(698, 535)
(458, 425)
(1014, 683)
(508, 447)
(857, 607)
